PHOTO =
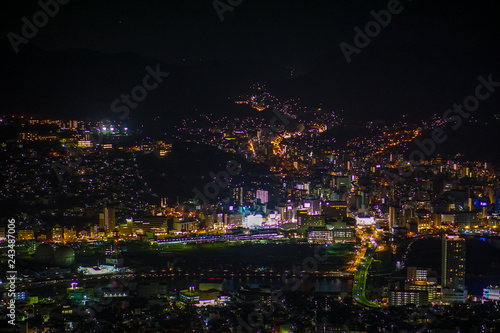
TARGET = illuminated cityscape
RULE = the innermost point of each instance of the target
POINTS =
(249, 185)
(113, 218)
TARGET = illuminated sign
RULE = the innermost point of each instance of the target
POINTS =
(365, 220)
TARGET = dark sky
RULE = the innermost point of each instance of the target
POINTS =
(296, 31)
(429, 50)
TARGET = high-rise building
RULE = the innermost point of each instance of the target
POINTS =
(404, 297)
(420, 279)
(263, 196)
(107, 219)
(57, 233)
(237, 196)
(453, 262)
(235, 220)
(453, 269)
(301, 213)
(492, 293)
(312, 205)
(424, 220)
(342, 182)
(395, 217)
(311, 220)
(249, 196)
(27, 234)
(415, 274)
(286, 212)
(466, 219)
(335, 209)
(69, 234)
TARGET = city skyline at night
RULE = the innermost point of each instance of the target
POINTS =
(249, 166)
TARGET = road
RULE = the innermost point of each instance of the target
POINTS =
(360, 276)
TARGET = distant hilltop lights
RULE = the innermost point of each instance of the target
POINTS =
(111, 129)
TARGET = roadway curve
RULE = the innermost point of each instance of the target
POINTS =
(360, 276)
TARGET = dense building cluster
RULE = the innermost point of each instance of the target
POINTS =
(318, 240)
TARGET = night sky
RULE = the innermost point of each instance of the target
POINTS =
(427, 58)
